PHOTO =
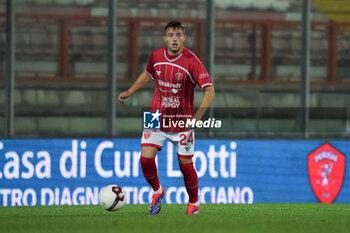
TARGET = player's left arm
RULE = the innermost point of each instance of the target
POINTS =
(208, 97)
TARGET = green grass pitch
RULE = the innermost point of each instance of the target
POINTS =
(260, 218)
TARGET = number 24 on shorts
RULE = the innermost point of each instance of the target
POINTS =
(183, 139)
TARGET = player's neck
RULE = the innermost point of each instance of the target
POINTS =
(173, 54)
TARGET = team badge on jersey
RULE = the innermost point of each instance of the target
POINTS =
(326, 172)
(178, 76)
(151, 120)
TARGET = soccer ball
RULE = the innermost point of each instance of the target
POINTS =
(112, 197)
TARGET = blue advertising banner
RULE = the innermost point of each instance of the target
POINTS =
(72, 171)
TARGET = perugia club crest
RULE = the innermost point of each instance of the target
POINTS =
(178, 76)
(326, 172)
(147, 135)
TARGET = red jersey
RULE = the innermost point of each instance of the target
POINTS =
(176, 79)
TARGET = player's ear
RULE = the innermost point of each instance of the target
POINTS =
(164, 38)
(185, 37)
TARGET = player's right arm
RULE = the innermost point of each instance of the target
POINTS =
(140, 82)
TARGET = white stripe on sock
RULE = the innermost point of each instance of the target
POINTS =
(195, 204)
(159, 191)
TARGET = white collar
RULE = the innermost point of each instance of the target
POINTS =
(169, 60)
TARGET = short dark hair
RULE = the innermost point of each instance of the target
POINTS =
(174, 24)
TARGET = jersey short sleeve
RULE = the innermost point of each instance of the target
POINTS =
(149, 69)
(200, 74)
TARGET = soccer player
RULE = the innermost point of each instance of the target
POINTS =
(176, 71)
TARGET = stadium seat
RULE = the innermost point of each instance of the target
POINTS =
(243, 4)
(63, 2)
(20, 2)
(224, 4)
(187, 13)
(281, 5)
(262, 4)
(84, 2)
(46, 2)
(133, 12)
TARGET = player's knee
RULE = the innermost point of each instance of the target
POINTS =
(148, 152)
(183, 160)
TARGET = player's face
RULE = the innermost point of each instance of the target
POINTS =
(174, 39)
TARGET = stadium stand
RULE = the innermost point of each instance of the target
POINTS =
(62, 59)
(258, 5)
(2, 45)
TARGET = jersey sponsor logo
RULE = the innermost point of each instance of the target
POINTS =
(178, 76)
(170, 102)
(171, 85)
(174, 87)
(175, 91)
(204, 75)
(326, 172)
